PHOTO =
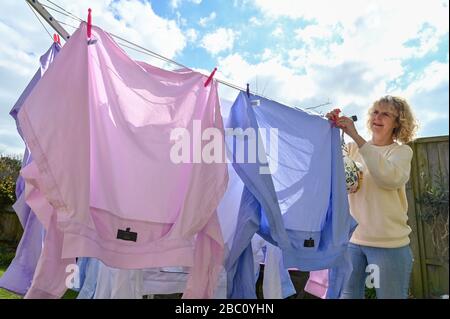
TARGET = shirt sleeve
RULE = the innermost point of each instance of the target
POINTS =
(391, 171)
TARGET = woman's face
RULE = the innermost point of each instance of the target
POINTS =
(383, 120)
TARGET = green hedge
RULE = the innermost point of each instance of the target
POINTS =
(9, 171)
(7, 254)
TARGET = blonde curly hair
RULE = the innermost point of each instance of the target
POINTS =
(407, 123)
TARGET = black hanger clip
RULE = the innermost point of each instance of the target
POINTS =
(126, 235)
(308, 243)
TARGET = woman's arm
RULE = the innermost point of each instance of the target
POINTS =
(348, 126)
(389, 172)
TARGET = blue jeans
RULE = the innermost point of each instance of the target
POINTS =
(388, 270)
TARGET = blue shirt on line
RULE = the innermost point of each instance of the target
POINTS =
(302, 206)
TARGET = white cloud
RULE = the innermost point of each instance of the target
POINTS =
(204, 21)
(429, 97)
(267, 54)
(220, 40)
(374, 30)
(278, 32)
(380, 26)
(435, 74)
(240, 3)
(428, 40)
(180, 20)
(175, 4)
(191, 34)
(254, 21)
(317, 45)
(350, 11)
(269, 78)
(139, 23)
(311, 32)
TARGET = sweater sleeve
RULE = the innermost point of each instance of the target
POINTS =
(392, 171)
(352, 149)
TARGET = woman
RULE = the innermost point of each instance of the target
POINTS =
(381, 239)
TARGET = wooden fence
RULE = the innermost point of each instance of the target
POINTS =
(430, 276)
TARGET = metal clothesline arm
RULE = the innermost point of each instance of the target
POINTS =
(36, 5)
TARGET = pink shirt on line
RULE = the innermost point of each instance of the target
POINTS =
(102, 153)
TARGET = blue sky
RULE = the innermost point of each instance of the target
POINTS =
(302, 53)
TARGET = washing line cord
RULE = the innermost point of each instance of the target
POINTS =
(37, 17)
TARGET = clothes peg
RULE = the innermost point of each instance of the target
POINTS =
(210, 77)
(89, 24)
(354, 118)
(56, 39)
(335, 117)
(89, 28)
(248, 90)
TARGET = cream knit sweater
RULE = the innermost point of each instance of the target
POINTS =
(380, 206)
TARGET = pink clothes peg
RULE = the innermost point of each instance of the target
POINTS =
(89, 23)
(210, 77)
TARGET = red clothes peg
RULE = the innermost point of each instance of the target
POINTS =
(335, 117)
(89, 23)
(210, 77)
(56, 39)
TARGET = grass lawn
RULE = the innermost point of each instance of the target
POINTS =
(5, 294)
(7, 252)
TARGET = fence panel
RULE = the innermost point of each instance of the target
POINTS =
(429, 242)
